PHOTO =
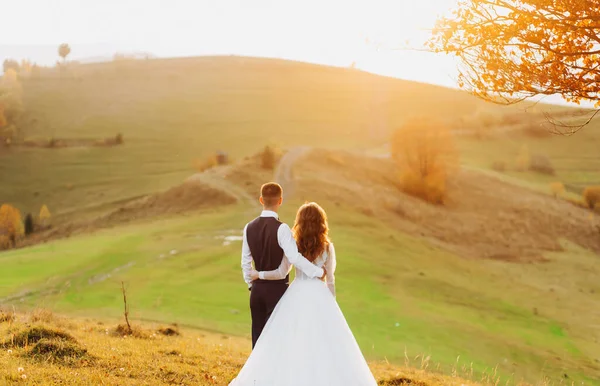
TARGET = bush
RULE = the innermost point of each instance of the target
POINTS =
(431, 188)
(119, 139)
(11, 226)
(35, 334)
(425, 154)
(557, 189)
(203, 165)
(591, 195)
(29, 225)
(541, 164)
(54, 350)
(268, 158)
(499, 166)
(45, 216)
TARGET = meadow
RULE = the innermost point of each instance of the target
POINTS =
(411, 295)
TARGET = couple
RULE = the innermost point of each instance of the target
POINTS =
(299, 335)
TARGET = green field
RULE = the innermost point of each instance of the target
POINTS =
(400, 295)
(406, 297)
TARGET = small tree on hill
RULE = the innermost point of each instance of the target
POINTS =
(591, 195)
(29, 224)
(63, 51)
(10, 64)
(268, 158)
(557, 189)
(426, 156)
(45, 215)
(11, 226)
(3, 120)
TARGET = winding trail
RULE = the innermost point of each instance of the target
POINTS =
(284, 175)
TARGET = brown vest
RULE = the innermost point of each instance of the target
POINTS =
(261, 234)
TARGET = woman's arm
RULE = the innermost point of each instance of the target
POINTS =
(277, 274)
(330, 265)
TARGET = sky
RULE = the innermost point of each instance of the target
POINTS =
(332, 32)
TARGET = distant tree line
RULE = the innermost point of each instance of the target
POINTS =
(13, 227)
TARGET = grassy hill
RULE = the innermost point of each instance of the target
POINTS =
(77, 351)
(502, 282)
(174, 111)
(508, 289)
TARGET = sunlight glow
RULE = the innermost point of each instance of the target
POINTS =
(334, 32)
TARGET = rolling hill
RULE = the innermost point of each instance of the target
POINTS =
(172, 112)
(501, 282)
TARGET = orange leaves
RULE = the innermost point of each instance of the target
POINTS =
(11, 226)
(522, 48)
(3, 120)
(425, 154)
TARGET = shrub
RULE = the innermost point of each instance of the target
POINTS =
(45, 216)
(557, 189)
(29, 225)
(268, 158)
(591, 195)
(35, 334)
(54, 350)
(499, 166)
(541, 164)
(425, 154)
(11, 226)
(431, 188)
(203, 165)
(119, 139)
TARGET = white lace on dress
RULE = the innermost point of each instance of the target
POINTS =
(326, 260)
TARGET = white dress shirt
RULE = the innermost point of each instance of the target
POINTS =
(326, 259)
(290, 249)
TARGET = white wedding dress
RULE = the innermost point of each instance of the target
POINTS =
(306, 341)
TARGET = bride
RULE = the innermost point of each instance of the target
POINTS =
(306, 341)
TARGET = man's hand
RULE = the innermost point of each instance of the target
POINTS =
(254, 275)
(322, 278)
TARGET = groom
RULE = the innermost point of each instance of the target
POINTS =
(267, 241)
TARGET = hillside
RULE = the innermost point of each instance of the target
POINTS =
(65, 350)
(174, 111)
(502, 280)
(510, 286)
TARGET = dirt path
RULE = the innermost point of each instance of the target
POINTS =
(216, 179)
(284, 175)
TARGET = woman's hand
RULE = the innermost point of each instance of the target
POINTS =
(254, 275)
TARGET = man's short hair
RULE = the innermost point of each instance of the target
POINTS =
(271, 192)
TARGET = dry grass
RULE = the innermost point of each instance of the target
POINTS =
(89, 354)
(482, 212)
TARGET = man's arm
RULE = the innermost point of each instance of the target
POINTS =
(290, 249)
(246, 260)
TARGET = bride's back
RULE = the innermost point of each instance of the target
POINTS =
(319, 262)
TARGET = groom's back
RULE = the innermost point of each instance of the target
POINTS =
(261, 234)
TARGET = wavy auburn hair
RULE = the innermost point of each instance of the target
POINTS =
(311, 231)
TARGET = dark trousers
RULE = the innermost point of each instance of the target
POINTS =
(264, 296)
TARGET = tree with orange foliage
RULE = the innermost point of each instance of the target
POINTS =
(3, 121)
(426, 156)
(516, 49)
(11, 226)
